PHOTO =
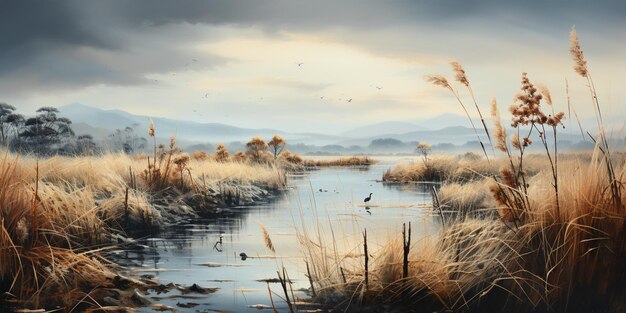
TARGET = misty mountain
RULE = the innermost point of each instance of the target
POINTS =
(444, 129)
(378, 129)
(97, 122)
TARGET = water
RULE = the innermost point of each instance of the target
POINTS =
(191, 253)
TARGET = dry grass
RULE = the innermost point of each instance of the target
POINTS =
(472, 199)
(46, 232)
(56, 213)
(559, 245)
(455, 169)
(566, 260)
(351, 161)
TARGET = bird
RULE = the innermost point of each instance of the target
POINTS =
(368, 198)
(243, 256)
(350, 100)
(322, 97)
(299, 63)
(379, 88)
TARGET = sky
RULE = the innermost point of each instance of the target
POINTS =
(302, 66)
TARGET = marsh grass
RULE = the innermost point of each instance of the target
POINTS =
(349, 161)
(558, 243)
(442, 168)
(58, 217)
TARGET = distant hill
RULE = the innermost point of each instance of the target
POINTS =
(445, 128)
(97, 122)
(391, 127)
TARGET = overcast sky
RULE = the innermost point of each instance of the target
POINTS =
(236, 62)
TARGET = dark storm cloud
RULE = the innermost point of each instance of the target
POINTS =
(81, 43)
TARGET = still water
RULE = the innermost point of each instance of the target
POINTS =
(191, 252)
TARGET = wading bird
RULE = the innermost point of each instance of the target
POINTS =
(368, 198)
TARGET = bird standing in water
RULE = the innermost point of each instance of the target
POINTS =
(368, 198)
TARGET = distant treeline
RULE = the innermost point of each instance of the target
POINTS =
(47, 133)
(384, 146)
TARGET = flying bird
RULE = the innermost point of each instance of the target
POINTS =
(299, 63)
(322, 97)
(379, 88)
(368, 198)
(350, 100)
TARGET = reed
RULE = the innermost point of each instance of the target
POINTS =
(267, 240)
(60, 215)
(557, 244)
(351, 161)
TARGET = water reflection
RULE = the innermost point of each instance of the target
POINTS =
(227, 250)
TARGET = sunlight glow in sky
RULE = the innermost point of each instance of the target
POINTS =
(236, 62)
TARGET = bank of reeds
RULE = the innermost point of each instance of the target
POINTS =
(46, 232)
(348, 161)
(58, 215)
(441, 168)
(558, 244)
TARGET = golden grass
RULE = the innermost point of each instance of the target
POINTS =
(55, 214)
(441, 168)
(559, 245)
(45, 235)
(570, 259)
(468, 199)
(351, 161)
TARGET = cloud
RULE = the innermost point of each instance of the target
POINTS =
(77, 43)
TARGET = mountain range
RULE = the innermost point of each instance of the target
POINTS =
(446, 128)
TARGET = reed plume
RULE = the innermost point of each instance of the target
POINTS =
(580, 65)
(459, 73)
(267, 239)
(498, 129)
(151, 129)
(543, 89)
(438, 80)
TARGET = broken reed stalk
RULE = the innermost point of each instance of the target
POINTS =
(269, 290)
(366, 259)
(293, 296)
(438, 204)
(35, 219)
(308, 272)
(406, 243)
(343, 275)
(133, 178)
(283, 283)
(126, 213)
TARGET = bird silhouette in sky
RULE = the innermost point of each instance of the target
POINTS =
(378, 87)
(350, 100)
(299, 63)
